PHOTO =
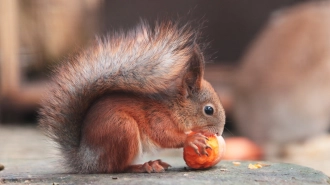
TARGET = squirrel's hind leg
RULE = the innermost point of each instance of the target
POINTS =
(117, 140)
(115, 137)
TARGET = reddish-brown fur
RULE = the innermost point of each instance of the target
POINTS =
(129, 93)
(150, 118)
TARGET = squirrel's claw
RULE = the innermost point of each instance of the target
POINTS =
(147, 167)
(199, 143)
(163, 164)
(156, 166)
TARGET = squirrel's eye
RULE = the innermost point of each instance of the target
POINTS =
(208, 110)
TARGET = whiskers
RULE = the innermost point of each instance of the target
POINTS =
(229, 124)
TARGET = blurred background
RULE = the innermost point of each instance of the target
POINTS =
(270, 64)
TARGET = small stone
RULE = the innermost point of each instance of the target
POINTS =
(236, 163)
(2, 167)
(254, 166)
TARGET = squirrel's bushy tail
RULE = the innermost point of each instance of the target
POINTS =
(143, 60)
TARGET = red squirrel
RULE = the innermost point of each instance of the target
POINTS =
(130, 92)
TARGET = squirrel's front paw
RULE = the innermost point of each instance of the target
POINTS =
(198, 142)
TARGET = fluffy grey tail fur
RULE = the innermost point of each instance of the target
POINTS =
(143, 60)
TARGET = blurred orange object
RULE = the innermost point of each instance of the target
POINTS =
(195, 161)
(241, 148)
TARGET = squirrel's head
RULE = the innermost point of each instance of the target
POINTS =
(200, 105)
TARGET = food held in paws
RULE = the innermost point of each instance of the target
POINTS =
(202, 161)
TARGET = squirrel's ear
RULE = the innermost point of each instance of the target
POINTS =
(193, 76)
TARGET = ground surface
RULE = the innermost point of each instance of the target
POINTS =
(30, 159)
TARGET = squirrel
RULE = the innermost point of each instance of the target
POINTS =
(130, 92)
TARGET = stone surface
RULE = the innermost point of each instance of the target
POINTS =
(29, 158)
(224, 173)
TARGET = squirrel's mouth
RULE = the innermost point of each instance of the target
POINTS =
(209, 130)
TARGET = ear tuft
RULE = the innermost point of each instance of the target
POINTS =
(194, 73)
